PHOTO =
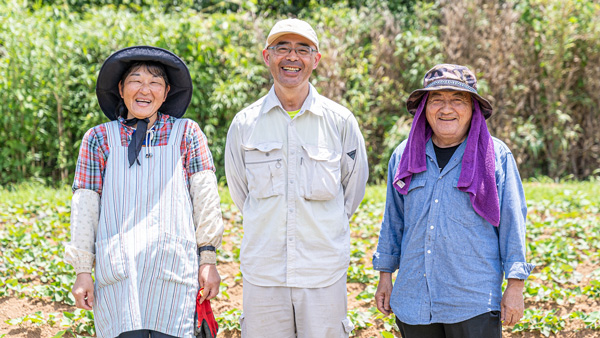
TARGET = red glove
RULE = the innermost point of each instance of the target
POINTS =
(206, 325)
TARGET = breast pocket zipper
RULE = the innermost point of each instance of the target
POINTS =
(278, 165)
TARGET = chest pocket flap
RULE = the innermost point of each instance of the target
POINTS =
(415, 184)
(264, 147)
(321, 153)
(320, 173)
(264, 169)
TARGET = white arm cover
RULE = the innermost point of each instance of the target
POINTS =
(207, 213)
(85, 215)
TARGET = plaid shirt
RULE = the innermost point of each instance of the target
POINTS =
(94, 150)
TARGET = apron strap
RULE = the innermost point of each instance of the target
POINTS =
(177, 132)
(114, 134)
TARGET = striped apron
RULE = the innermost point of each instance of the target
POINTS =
(146, 261)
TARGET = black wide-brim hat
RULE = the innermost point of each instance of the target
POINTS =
(107, 86)
(449, 77)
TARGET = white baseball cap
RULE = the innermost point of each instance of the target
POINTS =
(292, 26)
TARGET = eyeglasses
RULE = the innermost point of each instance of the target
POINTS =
(455, 102)
(284, 50)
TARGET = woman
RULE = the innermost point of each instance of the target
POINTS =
(144, 218)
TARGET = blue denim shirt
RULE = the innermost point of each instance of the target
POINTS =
(450, 261)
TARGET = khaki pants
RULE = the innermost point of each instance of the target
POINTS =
(285, 312)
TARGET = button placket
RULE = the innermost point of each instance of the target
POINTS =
(430, 238)
(291, 203)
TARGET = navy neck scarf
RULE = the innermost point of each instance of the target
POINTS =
(135, 146)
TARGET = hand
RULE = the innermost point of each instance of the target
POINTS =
(83, 291)
(384, 292)
(209, 279)
(512, 304)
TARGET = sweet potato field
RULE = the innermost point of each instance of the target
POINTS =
(562, 297)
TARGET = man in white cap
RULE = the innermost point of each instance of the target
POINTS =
(296, 167)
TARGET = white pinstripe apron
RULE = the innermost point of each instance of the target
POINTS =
(146, 260)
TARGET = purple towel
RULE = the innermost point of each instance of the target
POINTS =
(477, 176)
(413, 159)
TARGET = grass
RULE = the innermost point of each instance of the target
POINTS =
(554, 192)
(538, 191)
(24, 192)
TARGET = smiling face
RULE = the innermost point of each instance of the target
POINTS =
(143, 93)
(291, 71)
(449, 115)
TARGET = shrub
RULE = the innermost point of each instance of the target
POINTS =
(538, 61)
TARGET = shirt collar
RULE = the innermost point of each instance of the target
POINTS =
(312, 103)
(159, 123)
(430, 152)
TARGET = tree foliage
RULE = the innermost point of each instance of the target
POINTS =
(537, 61)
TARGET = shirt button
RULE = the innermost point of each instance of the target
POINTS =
(428, 251)
(436, 201)
(290, 239)
(424, 275)
(431, 227)
(291, 181)
(291, 210)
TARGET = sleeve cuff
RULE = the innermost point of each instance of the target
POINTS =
(384, 262)
(517, 270)
(82, 261)
(208, 257)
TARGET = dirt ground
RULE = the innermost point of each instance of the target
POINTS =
(15, 307)
(12, 307)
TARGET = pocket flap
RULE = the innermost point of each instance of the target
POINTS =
(264, 152)
(264, 147)
(414, 184)
(321, 154)
(348, 326)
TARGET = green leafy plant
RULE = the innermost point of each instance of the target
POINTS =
(546, 322)
(230, 320)
(75, 323)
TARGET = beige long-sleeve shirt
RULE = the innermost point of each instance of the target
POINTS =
(297, 182)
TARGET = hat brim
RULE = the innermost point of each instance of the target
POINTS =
(412, 103)
(181, 87)
(274, 37)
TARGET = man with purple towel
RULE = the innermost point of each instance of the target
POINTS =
(454, 221)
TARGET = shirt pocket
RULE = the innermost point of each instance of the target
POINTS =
(177, 260)
(414, 199)
(111, 262)
(264, 169)
(319, 173)
(461, 210)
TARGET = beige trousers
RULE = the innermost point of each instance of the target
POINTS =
(285, 312)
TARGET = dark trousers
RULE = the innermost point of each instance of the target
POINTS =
(486, 325)
(144, 334)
